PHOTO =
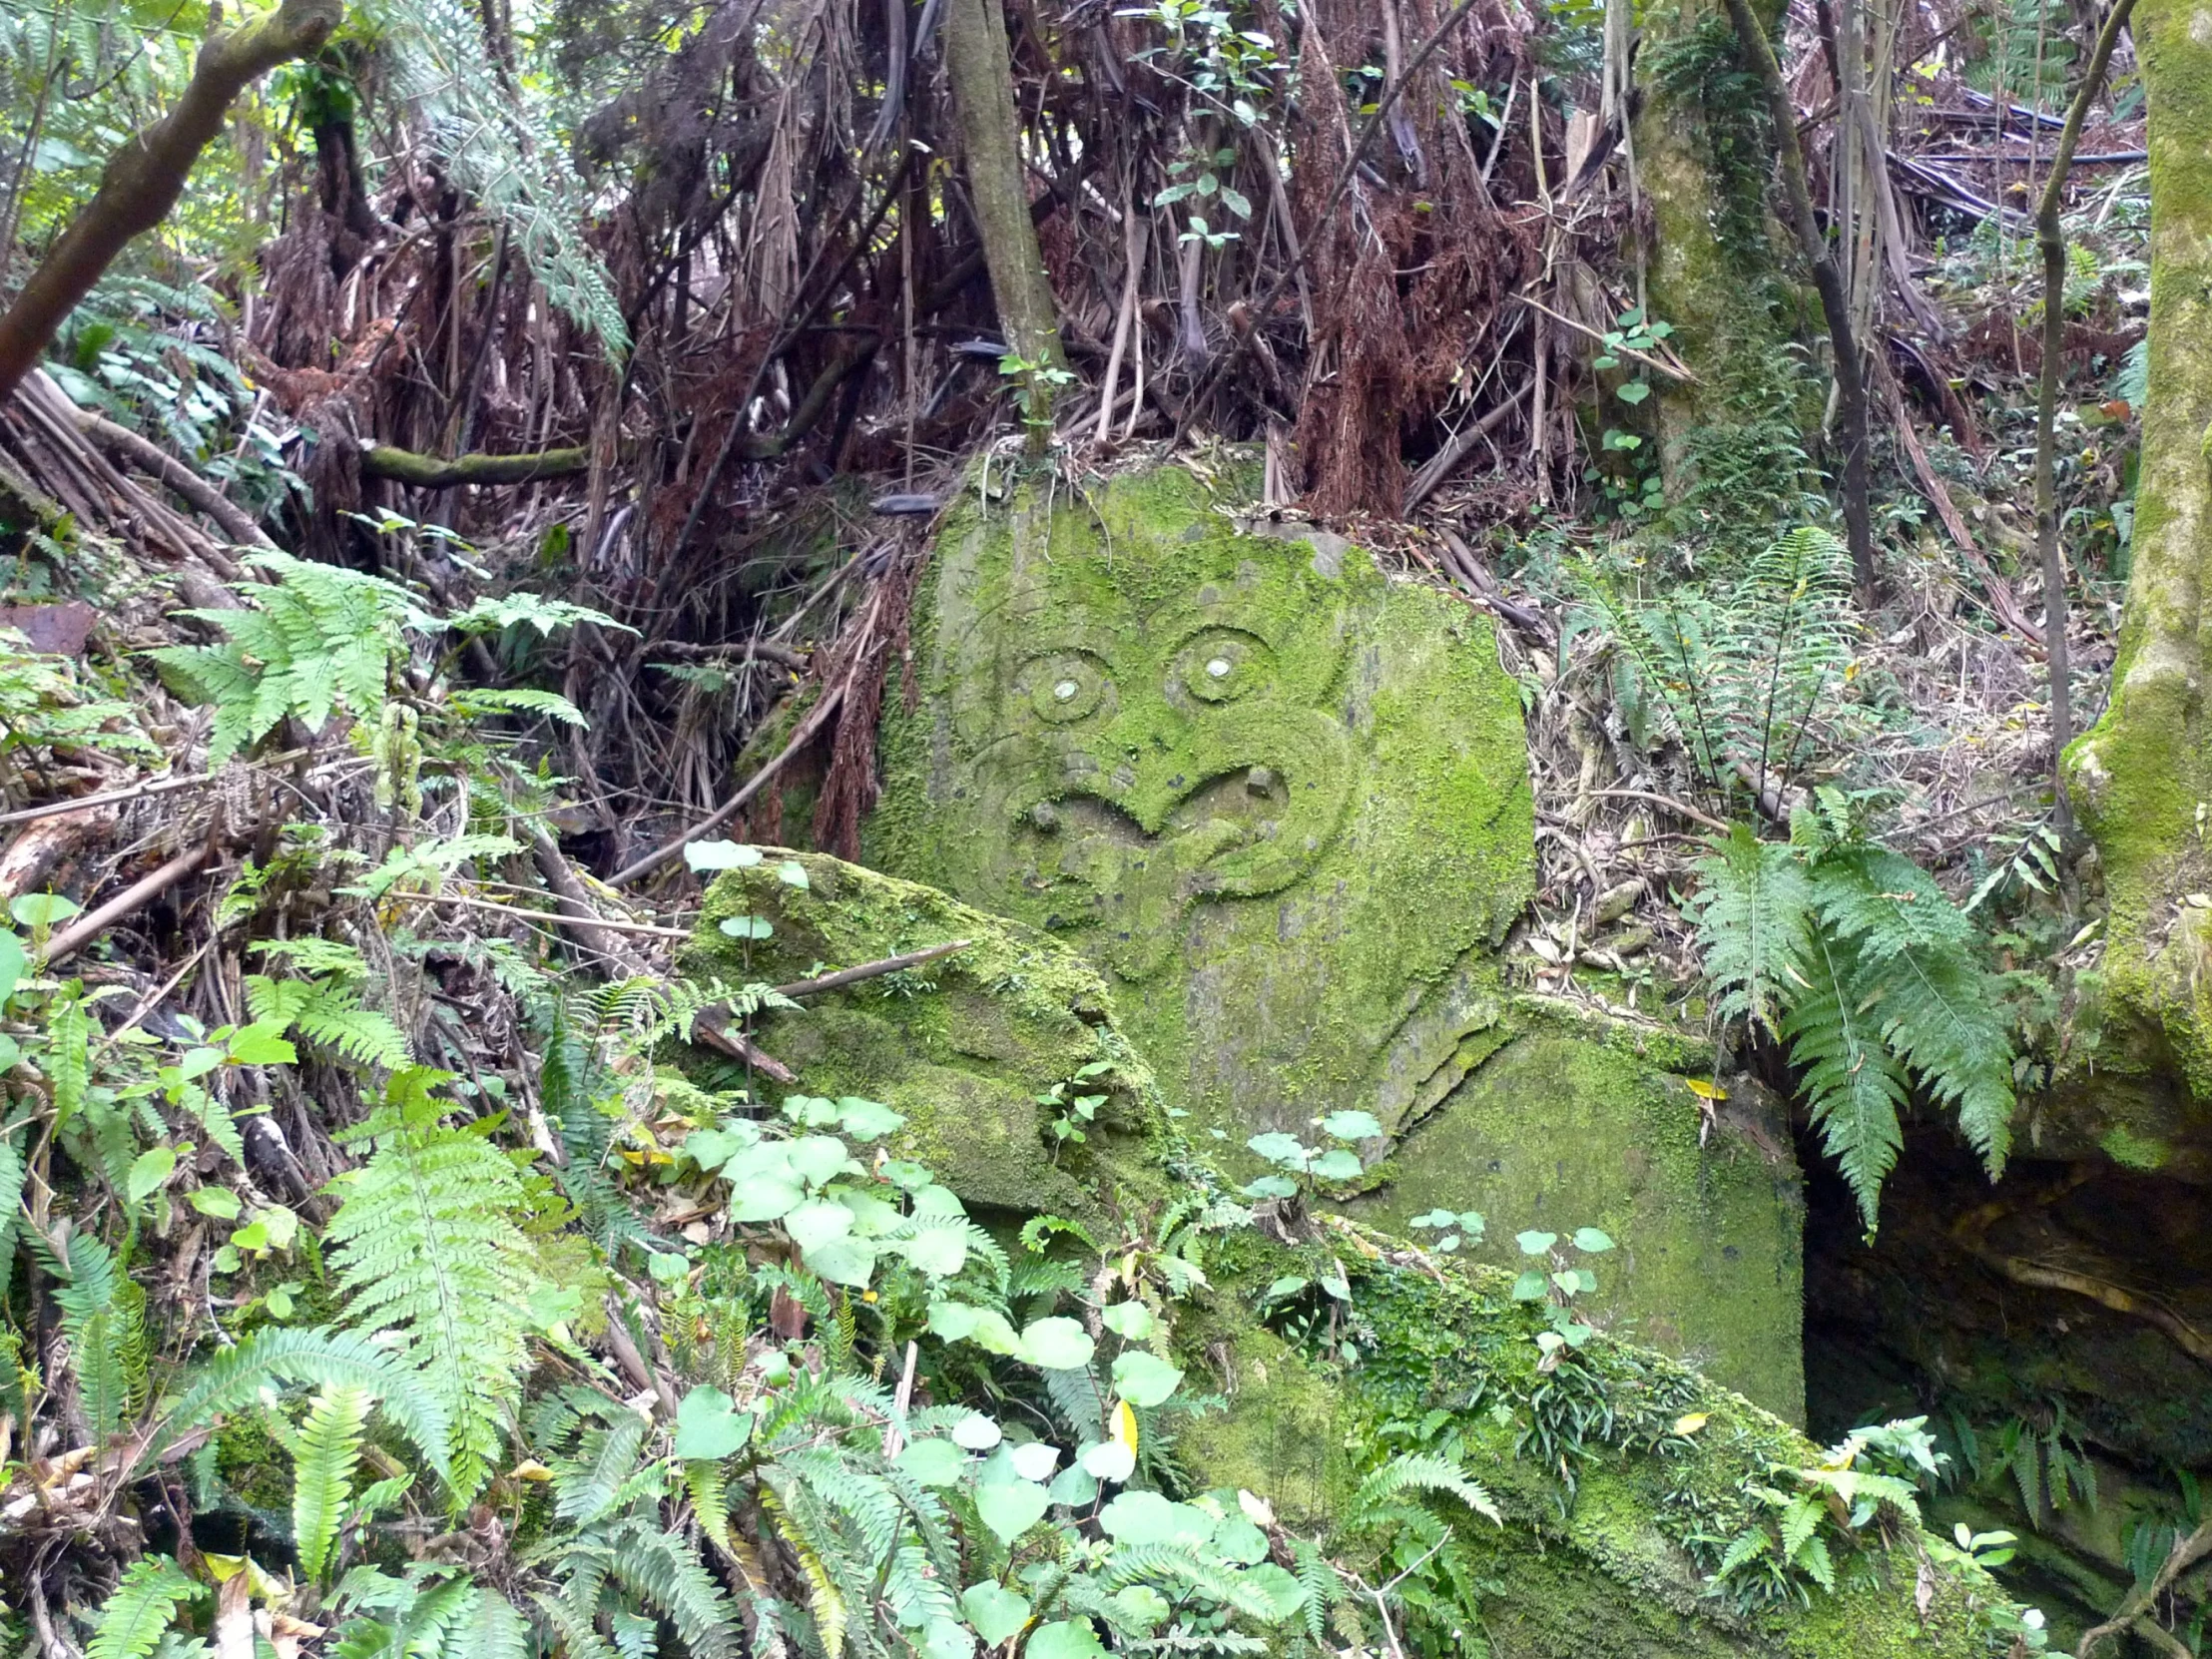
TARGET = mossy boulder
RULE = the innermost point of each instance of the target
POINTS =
(1276, 797)
(1621, 1476)
(962, 1046)
(1563, 1121)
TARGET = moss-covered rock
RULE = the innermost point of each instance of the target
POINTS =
(963, 1045)
(1564, 1122)
(1276, 799)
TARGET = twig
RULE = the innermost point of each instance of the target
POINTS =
(2053, 240)
(144, 892)
(869, 970)
(2184, 1556)
(729, 808)
(159, 786)
(710, 1026)
(562, 919)
(1678, 807)
(1677, 372)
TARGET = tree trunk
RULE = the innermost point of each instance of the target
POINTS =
(2142, 778)
(990, 138)
(144, 179)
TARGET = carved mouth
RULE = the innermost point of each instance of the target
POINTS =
(1231, 811)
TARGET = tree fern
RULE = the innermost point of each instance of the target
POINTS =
(427, 1244)
(130, 1622)
(328, 1451)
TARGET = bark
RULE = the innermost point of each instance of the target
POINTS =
(1828, 277)
(991, 139)
(2142, 778)
(2054, 242)
(144, 179)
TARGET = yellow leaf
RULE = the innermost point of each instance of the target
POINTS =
(1690, 1425)
(529, 1469)
(1125, 1425)
(1698, 1086)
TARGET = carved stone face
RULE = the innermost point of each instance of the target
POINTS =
(1139, 759)
(1279, 799)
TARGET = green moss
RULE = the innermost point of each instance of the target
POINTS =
(1555, 1130)
(2132, 1151)
(1276, 799)
(962, 1046)
(2142, 776)
(1602, 1573)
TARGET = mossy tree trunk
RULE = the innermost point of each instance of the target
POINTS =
(981, 71)
(2142, 779)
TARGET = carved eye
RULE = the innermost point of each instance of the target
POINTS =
(1065, 686)
(1221, 664)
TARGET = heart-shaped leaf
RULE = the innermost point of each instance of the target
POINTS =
(1064, 1639)
(1130, 1320)
(940, 1252)
(867, 1120)
(709, 1426)
(1351, 1126)
(1145, 1379)
(1011, 1510)
(148, 1171)
(934, 1462)
(817, 1222)
(1057, 1345)
(704, 855)
(995, 1611)
(846, 1260)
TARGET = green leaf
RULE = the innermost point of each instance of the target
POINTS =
(1535, 1243)
(1530, 1287)
(131, 1621)
(847, 1261)
(1592, 1241)
(747, 928)
(707, 855)
(1011, 1510)
(708, 1426)
(261, 1045)
(1065, 1639)
(867, 1120)
(1634, 392)
(1130, 1320)
(43, 909)
(1278, 1148)
(1057, 1345)
(996, 1612)
(1270, 1185)
(1351, 1126)
(940, 1252)
(946, 1639)
(219, 1202)
(148, 1171)
(1337, 1164)
(792, 873)
(13, 963)
(1138, 1518)
(933, 1462)
(1144, 1380)
(817, 1222)
(764, 1198)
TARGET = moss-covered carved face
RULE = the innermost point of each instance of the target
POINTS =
(1144, 751)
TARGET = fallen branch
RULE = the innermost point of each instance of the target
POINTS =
(2186, 1553)
(143, 179)
(869, 970)
(807, 728)
(585, 925)
(140, 894)
(1679, 372)
(123, 444)
(712, 1027)
(441, 472)
(1680, 808)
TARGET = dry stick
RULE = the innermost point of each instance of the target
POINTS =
(729, 808)
(559, 919)
(159, 786)
(122, 442)
(1679, 808)
(869, 970)
(1850, 380)
(1134, 237)
(2187, 1552)
(2053, 240)
(144, 178)
(1265, 306)
(144, 892)
(1674, 371)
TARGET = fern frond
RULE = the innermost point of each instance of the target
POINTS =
(328, 1452)
(1419, 1472)
(1753, 909)
(665, 1573)
(131, 1621)
(325, 1358)
(1851, 1082)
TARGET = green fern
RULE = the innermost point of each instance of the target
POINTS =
(130, 1622)
(103, 1323)
(236, 1378)
(427, 1244)
(1417, 1471)
(328, 1451)
(329, 1012)
(1852, 956)
(319, 639)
